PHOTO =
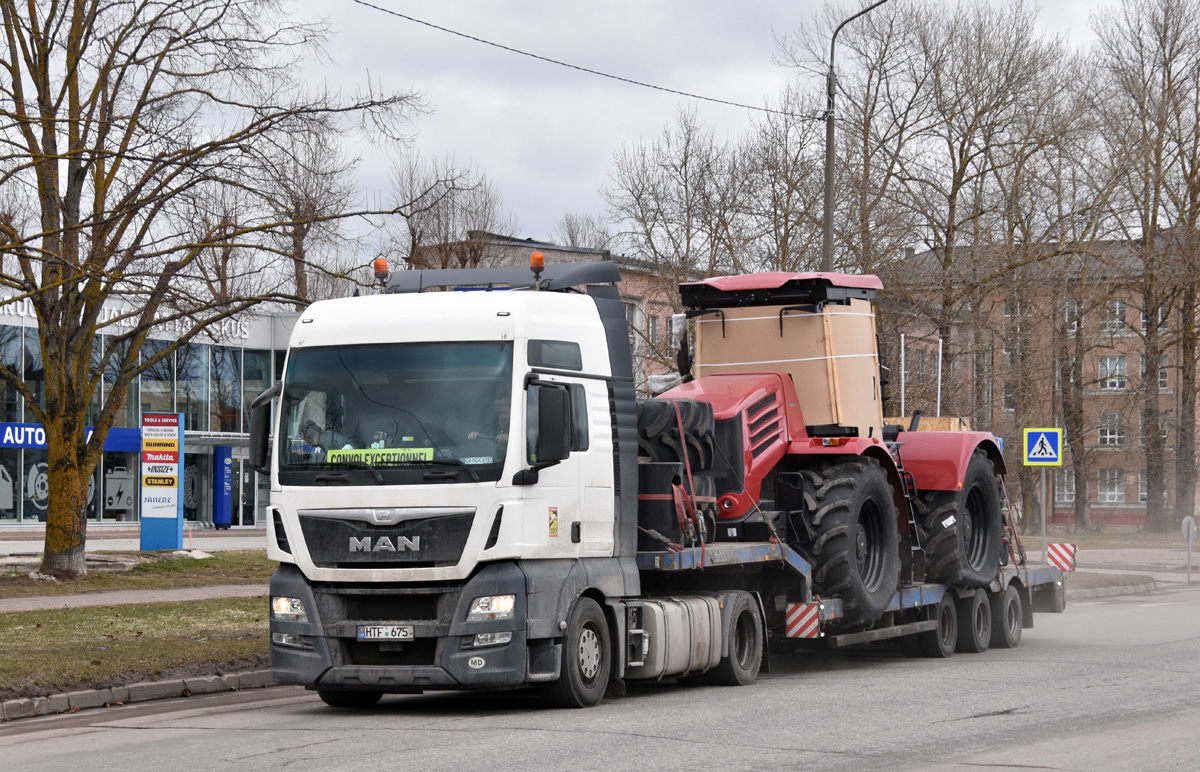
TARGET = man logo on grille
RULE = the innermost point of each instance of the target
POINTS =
(385, 544)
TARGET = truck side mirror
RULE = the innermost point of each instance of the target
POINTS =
(554, 425)
(260, 429)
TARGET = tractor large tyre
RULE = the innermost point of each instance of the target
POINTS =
(963, 529)
(658, 431)
(855, 548)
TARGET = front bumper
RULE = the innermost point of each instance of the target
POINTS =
(325, 653)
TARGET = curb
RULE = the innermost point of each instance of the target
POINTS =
(1108, 592)
(28, 707)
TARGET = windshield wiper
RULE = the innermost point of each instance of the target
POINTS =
(458, 462)
(359, 465)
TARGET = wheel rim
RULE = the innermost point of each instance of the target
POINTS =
(981, 621)
(1012, 620)
(589, 653)
(946, 628)
(869, 543)
(974, 528)
(743, 638)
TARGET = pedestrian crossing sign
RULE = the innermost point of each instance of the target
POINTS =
(1043, 447)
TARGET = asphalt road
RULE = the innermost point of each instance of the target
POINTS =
(1110, 685)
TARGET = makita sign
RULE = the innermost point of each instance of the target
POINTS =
(385, 544)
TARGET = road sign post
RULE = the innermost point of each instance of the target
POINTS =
(1043, 447)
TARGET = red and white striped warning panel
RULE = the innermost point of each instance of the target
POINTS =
(803, 620)
(1062, 556)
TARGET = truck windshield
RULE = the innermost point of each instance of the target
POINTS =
(398, 413)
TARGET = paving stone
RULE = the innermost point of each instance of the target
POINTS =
(205, 684)
(92, 698)
(19, 709)
(155, 690)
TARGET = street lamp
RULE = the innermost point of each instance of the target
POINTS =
(830, 85)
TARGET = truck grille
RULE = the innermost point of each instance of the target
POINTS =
(347, 539)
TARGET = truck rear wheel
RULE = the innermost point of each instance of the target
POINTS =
(586, 659)
(855, 548)
(1008, 618)
(745, 639)
(940, 642)
(341, 698)
(974, 622)
(963, 528)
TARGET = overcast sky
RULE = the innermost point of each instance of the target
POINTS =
(545, 135)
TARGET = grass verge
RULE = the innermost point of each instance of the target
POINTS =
(151, 571)
(1106, 541)
(63, 650)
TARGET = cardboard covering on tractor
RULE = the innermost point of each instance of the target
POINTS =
(830, 355)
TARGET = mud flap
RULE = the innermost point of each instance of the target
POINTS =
(1049, 598)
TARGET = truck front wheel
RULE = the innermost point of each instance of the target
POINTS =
(340, 698)
(587, 659)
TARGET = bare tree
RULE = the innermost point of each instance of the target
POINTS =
(116, 119)
(582, 230)
(446, 210)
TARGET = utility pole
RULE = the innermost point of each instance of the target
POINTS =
(830, 89)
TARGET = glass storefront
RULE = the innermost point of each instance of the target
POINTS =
(211, 384)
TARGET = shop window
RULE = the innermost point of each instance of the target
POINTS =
(10, 357)
(127, 414)
(191, 385)
(93, 411)
(256, 378)
(158, 380)
(35, 375)
(226, 385)
(10, 484)
(121, 494)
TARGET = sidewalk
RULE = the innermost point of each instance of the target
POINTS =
(128, 540)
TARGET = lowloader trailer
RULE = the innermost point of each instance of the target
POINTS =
(466, 492)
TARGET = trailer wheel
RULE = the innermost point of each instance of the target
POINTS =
(856, 544)
(587, 659)
(745, 637)
(963, 528)
(974, 622)
(1008, 618)
(344, 698)
(939, 643)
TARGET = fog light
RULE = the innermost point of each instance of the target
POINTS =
(290, 639)
(288, 609)
(492, 639)
(492, 607)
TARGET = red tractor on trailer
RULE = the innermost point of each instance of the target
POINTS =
(762, 499)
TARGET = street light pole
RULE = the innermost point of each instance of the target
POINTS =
(830, 88)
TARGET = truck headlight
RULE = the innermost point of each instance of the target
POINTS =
(492, 607)
(288, 609)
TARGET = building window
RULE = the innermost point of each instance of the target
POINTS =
(256, 378)
(1163, 324)
(1071, 315)
(1014, 307)
(632, 315)
(1112, 430)
(35, 375)
(1164, 428)
(652, 331)
(1113, 319)
(1112, 373)
(1164, 380)
(1010, 397)
(226, 389)
(191, 385)
(1142, 486)
(158, 381)
(1112, 486)
(1064, 486)
(10, 357)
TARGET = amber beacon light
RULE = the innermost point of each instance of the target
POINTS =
(537, 263)
(381, 270)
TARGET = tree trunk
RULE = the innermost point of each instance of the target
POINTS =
(66, 513)
(1185, 445)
